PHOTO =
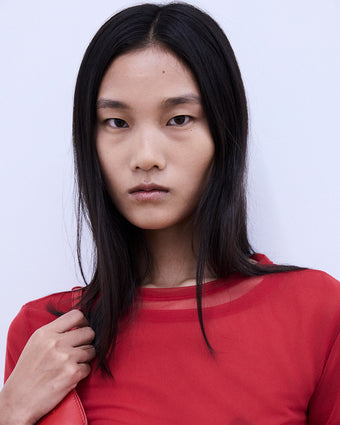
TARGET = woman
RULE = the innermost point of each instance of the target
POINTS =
(182, 323)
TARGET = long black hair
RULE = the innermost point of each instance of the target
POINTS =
(198, 41)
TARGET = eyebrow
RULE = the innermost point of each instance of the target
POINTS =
(112, 104)
(180, 100)
(166, 103)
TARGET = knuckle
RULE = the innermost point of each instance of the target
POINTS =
(40, 333)
(86, 370)
(73, 371)
(50, 344)
(83, 371)
(77, 314)
(73, 317)
(65, 357)
(87, 333)
(56, 344)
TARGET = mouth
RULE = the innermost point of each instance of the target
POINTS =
(148, 187)
(148, 192)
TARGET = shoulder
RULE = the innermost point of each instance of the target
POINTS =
(308, 299)
(309, 284)
(41, 311)
(306, 282)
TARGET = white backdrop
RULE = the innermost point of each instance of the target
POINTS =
(289, 54)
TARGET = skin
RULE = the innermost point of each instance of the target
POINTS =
(151, 128)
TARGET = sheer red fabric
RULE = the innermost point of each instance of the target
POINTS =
(276, 361)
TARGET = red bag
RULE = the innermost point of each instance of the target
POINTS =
(70, 410)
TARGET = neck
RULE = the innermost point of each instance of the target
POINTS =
(173, 256)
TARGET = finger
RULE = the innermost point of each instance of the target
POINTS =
(74, 373)
(84, 370)
(69, 320)
(79, 336)
(84, 354)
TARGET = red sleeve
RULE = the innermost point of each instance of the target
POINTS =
(18, 335)
(324, 406)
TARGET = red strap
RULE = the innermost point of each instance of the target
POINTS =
(75, 295)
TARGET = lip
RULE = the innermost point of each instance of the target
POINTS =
(148, 192)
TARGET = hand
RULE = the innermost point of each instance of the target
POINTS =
(54, 360)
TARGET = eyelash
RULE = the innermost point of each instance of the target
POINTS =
(123, 124)
(187, 119)
(115, 120)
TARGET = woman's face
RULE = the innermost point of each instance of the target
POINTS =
(153, 140)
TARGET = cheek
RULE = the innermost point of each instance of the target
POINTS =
(198, 171)
(109, 174)
(202, 162)
(113, 184)
(109, 159)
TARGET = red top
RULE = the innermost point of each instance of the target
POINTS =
(277, 362)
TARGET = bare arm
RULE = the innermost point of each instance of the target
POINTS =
(54, 360)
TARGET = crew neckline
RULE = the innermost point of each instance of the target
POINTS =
(182, 294)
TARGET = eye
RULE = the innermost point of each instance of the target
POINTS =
(179, 120)
(116, 123)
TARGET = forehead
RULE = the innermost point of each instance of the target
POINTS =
(153, 67)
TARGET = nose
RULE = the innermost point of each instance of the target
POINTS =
(147, 150)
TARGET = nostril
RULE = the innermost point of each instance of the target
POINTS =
(143, 168)
(148, 162)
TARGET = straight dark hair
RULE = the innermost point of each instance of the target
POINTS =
(198, 41)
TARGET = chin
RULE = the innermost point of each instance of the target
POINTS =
(160, 223)
(154, 225)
